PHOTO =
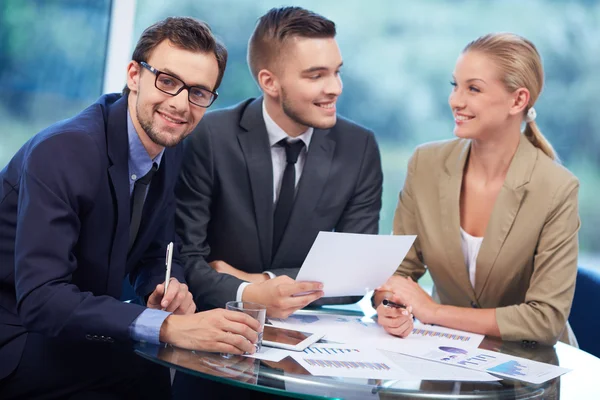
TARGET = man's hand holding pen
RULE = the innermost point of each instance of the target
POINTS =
(171, 295)
(177, 300)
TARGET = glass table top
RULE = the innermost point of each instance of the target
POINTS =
(288, 378)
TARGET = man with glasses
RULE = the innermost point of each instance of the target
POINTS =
(261, 179)
(90, 200)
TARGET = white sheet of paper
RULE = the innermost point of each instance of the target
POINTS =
(351, 264)
(355, 329)
(349, 362)
(484, 360)
(435, 371)
(419, 369)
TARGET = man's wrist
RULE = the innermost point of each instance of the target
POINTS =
(250, 293)
(167, 328)
(254, 278)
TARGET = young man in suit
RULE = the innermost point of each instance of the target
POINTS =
(86, 202)
(261, 179)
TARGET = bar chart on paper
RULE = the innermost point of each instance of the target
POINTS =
(326, 359)
(348, 364)
(437, 334)
(477, 360)
(512, 368)
(329, 350)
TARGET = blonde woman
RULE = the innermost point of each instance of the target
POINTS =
(494, 212)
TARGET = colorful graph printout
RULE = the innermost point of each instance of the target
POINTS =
(512, 368)
(484, 360)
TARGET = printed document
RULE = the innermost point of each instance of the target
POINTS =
(351, 264)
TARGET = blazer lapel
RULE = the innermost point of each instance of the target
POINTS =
(450, 187)
(310, 187)
(505, 211)
(254, 142)
(118, 172)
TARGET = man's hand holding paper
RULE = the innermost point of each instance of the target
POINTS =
(283, 295)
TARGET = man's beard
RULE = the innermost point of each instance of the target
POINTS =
(288, 110)
(153, 134)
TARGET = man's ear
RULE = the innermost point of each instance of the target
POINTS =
(133, 76)
(268, 82)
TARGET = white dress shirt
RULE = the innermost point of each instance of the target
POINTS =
(278, 158)
(470, 248)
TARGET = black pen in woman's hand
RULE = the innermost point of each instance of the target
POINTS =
(388, 303)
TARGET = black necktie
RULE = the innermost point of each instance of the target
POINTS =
(287, 191)
(137, 203)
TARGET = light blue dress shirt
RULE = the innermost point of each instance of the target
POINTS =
(146, 327)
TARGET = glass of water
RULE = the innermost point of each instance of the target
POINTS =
(256, 311)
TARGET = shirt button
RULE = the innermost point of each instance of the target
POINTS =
(474, 305)
(133, 177)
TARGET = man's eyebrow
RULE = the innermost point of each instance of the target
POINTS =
(319, 68)
(168, 71)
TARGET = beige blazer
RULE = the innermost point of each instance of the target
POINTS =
(527, 263)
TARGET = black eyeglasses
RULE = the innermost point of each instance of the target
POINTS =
(172, 85)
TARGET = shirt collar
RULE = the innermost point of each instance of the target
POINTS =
(138, 160)
(276, 133)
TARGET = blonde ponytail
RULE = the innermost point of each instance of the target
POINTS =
(535, 136)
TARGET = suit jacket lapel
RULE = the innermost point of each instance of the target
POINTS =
(118, 172)
(450, 187)
(254, 142)
(505, 211)
(310, 187)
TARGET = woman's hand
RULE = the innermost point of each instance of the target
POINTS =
(406, 291)
(395, 321)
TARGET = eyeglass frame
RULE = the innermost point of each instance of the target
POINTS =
(157, 73)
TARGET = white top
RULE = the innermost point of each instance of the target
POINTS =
(278, 156)
(470, 248)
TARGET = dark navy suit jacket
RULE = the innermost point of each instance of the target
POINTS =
(64, 232)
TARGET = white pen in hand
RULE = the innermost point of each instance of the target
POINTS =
(168, 260)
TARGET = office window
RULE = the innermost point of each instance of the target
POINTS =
(52, 56)
(398, 61)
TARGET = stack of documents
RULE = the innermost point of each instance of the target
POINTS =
(359, 347)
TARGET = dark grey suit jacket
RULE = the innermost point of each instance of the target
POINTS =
(225, 197)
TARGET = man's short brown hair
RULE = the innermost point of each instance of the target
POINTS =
(185, 33)
(279, 25)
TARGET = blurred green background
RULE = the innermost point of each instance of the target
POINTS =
(398, 61)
